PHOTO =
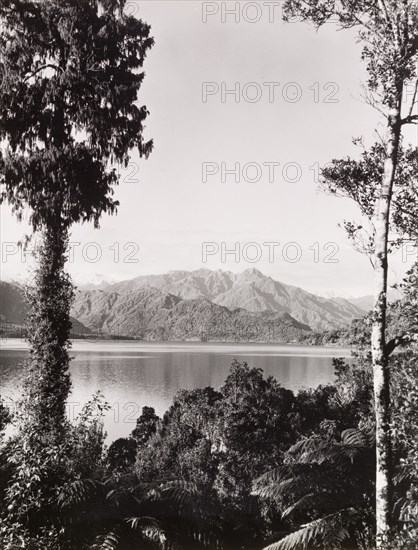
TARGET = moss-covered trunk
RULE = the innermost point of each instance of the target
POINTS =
(48, 383)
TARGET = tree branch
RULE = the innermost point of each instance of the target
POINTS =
(47, 66)
(401, 340)
(410, 119)
(414, 97)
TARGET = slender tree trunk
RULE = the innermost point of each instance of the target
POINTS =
(381, 378)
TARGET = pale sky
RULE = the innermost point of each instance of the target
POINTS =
(168, 211)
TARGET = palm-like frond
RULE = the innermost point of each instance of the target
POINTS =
(308, 502)
(110, 541)
(181, 497)
(331, 529)
(296, 479)
(359, 438)
(150, 529)
(314, 449)
(282, 473)
(205, 538)
(320, 477)
(160, 513)
(78, 492)
(187, 496)
(156, 510)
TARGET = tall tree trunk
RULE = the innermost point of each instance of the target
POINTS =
(381, 378)
(48, 383)
(38, 453)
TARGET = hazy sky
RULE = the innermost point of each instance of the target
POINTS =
(308, 114)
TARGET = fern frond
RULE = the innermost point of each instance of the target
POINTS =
(331, 529)
(177, 495)
(110, 541)
(179, 491)
(297, 480)
(309, 501)
(316, 450)
(358, 438)
(150, 529)
(405, 509)
(78, 492)
(273, 490)
(207, 539)
(282, 473)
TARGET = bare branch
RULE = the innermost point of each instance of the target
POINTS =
(369, 98)
(39, 69)
(410, 119)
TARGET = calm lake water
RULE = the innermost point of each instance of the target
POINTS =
(134, 374)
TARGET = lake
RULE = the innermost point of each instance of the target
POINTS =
(134, 374)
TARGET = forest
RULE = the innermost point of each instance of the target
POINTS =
(250, 465)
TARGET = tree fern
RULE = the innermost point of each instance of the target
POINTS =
(322, 480)
(331, 530)
(296, 479)
(78, 492)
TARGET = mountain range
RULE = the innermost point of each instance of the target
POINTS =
(151, 314)
(198, 305)
(250, 290)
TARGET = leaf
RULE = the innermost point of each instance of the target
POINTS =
(331, 529)
(358, 438)
(78, 492)
(110, 541)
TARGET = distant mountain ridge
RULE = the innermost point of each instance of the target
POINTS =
(199, 305)
(250, 290)
(151, 314)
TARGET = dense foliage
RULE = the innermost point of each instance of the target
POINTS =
(241, 467)
(247, 466)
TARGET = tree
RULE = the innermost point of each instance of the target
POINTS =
(121, 513)
(388, 32)
(146, 425)
(324, 488)
(70, 76)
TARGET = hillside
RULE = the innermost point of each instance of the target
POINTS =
(13, 311)
(197, 305)
(151, 314)
(250, 290)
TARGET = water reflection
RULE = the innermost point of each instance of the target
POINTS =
(133, 375)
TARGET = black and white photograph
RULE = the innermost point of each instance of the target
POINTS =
(208, 275)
